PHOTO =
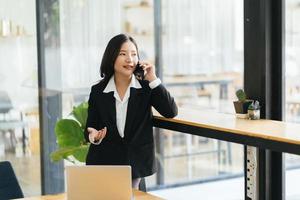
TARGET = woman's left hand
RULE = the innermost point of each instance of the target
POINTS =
(149, 70)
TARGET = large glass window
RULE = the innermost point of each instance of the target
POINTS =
(75, 40)
(292, 96)
(202, 56)
(19, 116)
(203, 52)
(202, 67)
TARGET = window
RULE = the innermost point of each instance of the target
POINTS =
(19, 115)
(202, 67)
(292, 63)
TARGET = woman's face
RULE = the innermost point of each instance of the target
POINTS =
(126, 60)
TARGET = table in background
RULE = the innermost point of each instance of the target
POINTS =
(200, 81)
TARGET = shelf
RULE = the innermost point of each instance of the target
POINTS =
(134, 29)
(9, 29)
(142, 4)
(15, 36)
(140, 34)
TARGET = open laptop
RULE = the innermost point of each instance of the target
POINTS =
(109, 182)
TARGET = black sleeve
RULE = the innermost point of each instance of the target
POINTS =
(163, 102)
(92, 118)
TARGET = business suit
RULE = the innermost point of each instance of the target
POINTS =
(137, 147)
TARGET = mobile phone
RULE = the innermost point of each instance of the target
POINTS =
(139, 72)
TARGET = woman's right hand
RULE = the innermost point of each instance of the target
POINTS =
(97, 135)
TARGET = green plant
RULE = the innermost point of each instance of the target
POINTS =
(241, 95)
(241, 106)
(70, 136)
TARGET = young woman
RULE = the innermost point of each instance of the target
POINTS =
(119, 123)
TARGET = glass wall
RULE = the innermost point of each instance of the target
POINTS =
(19, 116)
(202, 55)
(74, 35)
(203, 49)
(202, 67)
(292, 96)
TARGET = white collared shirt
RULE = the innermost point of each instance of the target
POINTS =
(121, 105)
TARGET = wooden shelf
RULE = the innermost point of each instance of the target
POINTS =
(140, 34)
(15, 36)
(142, 4)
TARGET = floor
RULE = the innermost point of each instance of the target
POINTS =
(226, 190)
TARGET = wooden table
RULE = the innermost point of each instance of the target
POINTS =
(138, 195)
(269, 136)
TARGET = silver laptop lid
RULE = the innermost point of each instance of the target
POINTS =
(109, 182)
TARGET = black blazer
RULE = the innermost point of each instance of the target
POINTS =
(137, 147)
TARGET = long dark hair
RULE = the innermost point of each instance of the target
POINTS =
(111, 53)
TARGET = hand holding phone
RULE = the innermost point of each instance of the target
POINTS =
(139, 72)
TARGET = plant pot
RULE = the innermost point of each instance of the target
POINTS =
(242, 107)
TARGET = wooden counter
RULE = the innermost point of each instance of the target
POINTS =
(266, 134)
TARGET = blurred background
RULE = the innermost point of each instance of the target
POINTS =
(201, 57)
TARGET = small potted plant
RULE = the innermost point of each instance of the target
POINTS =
(242, 104)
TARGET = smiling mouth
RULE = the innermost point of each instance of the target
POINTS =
(128, 67)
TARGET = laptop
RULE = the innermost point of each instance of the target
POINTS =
(109, 182)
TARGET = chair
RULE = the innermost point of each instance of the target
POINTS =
(5, 103)
(9, 186)
(7, 124)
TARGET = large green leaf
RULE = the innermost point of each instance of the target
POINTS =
(70, 136)
(80, 113)
(61, 153)
(79, 153)
(69, 133)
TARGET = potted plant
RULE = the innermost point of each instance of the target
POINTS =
(242, 104)
(70, 136)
